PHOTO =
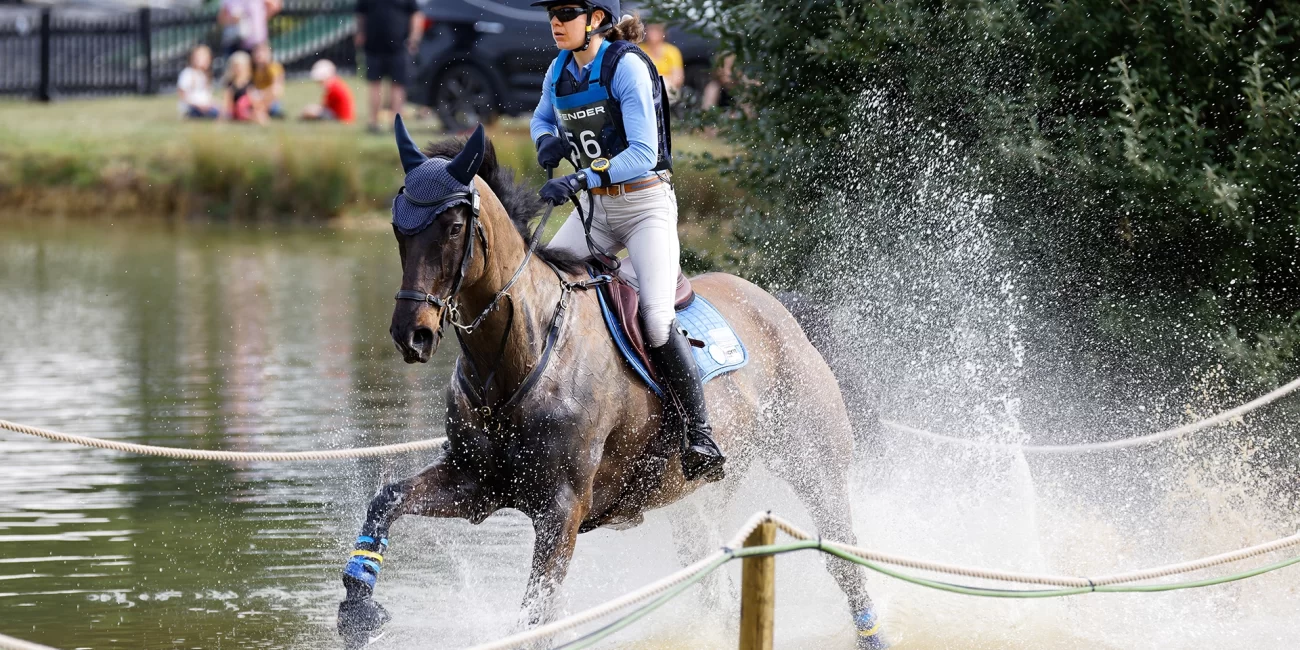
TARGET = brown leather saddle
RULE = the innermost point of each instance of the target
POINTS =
(624, 300)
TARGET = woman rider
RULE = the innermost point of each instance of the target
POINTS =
(604, 108)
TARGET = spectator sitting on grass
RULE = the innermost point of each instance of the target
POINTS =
(336, 104)
(389, 32)
(268, 79)
(195, 86)
(241, 105)
(667, 58)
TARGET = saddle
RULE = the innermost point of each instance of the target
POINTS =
(624, 302)
(717, 351)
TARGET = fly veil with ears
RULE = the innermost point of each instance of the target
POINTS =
(435, 185)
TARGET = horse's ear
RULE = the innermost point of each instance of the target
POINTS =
(466, 163)
(412, 157)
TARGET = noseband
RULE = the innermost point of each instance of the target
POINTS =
(451, 312)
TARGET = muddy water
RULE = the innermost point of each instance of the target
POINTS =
(261, 339)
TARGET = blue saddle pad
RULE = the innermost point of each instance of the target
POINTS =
(722, 351)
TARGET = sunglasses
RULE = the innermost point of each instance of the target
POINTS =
(565, 14)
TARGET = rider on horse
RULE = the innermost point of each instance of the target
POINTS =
(610, 111)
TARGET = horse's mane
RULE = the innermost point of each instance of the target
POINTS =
(521, 202)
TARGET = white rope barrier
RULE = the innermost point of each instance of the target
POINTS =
(659, 587)
(1197, 565)
(653, 590)
(1138, 575)
(936, 567)
(1122, 443)
(641, 595)
(10, 643)
(225, 456)
(646, 593)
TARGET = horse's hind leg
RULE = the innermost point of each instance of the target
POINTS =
(694, 537)
(820, 479)
(437, 491)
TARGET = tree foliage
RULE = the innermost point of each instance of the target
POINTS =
(1158, 136)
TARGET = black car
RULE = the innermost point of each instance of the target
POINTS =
(483, 58)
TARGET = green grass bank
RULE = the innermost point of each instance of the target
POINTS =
(132, 157)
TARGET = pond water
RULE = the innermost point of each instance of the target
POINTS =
(275, 338)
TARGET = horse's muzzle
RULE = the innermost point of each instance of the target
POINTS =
(417, 344)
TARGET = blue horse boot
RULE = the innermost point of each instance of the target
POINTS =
(869, 636)
(360, 617)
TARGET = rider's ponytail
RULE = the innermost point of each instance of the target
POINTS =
(630, 28)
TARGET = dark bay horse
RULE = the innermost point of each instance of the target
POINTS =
(545, 417)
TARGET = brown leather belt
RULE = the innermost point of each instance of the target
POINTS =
(624, 188)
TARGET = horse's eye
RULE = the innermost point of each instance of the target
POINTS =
(456, 228)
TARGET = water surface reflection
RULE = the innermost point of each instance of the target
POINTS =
(215, 338)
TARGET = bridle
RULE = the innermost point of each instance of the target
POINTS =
(447, 304)
(452, 314)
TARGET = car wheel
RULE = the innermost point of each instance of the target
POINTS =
(463, 97)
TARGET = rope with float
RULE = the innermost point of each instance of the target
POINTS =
(637, 604)
(1122, 443)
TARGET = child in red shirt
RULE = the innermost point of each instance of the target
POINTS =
(337, 101)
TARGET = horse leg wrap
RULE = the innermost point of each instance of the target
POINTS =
(869, 636)
(362, 569)
(359, 615)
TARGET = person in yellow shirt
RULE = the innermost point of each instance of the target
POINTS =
(268, 79)
(667, 58)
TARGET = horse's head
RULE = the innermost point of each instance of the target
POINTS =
(435, 219)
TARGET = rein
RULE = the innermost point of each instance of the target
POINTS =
(451, 312)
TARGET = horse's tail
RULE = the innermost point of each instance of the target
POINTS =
(815, 319)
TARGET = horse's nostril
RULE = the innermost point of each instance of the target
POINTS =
(422, 338)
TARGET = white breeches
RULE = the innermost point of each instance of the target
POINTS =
(645, 223)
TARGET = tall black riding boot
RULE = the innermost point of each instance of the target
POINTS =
(701, 457)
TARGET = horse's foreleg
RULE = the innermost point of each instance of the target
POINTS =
(437, 491)
(556, 529)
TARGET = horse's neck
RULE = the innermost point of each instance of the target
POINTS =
(505, 346)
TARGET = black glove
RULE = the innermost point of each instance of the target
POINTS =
(550, 151)
(558, 190)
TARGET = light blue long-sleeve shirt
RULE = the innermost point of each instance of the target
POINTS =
(632, 88)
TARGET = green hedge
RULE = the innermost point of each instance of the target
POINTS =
(1146, 146)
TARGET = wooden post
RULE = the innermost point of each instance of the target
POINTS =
(758, 592)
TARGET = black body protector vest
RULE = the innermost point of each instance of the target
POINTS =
(590, 118)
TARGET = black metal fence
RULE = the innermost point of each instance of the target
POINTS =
(50, 52)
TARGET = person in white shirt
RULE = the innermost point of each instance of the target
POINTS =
(195, 86)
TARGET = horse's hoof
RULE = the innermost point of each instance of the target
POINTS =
(359, 622)
(869, 634)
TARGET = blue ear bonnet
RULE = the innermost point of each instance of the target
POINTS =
(429, 191)
(434, 185)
